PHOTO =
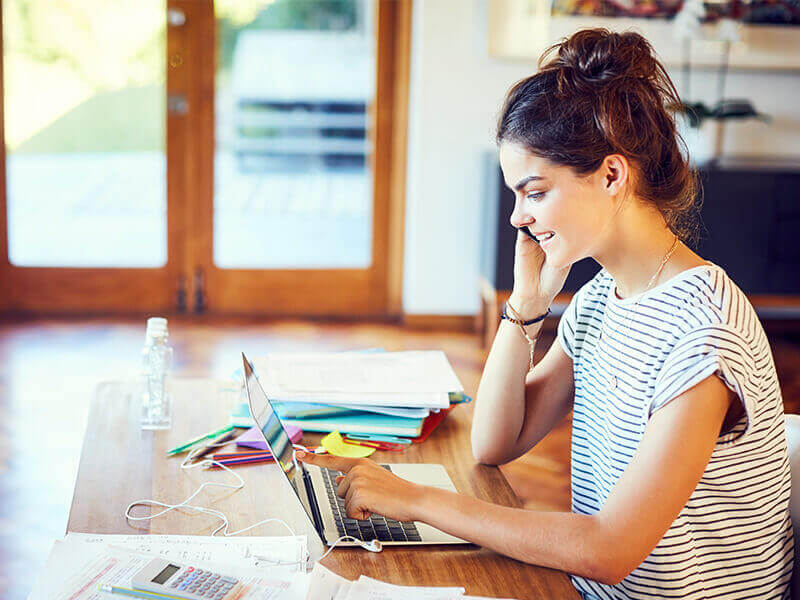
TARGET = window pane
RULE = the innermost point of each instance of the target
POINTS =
(84, 132)
(295, 83)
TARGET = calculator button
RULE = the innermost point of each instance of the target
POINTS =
(189, 569)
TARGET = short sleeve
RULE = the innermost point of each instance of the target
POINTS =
(566, 327)
(588, 294)
(712, 350)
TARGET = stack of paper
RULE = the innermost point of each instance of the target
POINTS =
(78, 565)
(388, 393)
(269, 569)
(326, 584)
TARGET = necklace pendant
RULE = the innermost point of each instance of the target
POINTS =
(612, 382)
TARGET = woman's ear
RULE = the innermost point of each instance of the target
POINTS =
(615, 171)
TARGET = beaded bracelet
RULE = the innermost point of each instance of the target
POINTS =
(518, 320)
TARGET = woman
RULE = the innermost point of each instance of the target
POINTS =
(680, 481)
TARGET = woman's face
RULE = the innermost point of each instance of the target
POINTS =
(552, 199)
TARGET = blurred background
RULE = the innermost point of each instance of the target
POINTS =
(307, 174)
(234, 157)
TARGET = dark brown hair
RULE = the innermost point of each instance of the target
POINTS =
(598, 93)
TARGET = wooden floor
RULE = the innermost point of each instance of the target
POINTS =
(49, 368)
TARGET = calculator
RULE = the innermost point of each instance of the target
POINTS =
(161, 576)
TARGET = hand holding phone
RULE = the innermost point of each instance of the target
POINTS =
(536, 281)
(528, 233)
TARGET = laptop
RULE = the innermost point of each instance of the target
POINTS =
(315, 487)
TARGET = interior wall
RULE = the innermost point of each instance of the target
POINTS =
(456, 93)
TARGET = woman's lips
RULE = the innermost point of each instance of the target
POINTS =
(545, 237)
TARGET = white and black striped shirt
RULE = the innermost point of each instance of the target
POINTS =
(733, 538)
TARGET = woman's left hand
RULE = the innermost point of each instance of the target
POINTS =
(369, 488)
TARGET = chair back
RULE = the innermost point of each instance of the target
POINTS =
(793, 442)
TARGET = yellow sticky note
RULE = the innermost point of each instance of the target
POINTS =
(335, 445)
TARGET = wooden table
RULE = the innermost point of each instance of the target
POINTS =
(121, 463)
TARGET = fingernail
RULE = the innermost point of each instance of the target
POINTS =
(301, 454)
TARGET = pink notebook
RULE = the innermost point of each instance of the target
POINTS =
(252, 438)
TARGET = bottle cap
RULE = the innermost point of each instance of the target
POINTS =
(156, 328)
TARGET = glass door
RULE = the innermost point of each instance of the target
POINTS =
(295, 221)
(237, 156)
(84, 88)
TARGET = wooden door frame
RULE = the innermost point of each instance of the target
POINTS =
(375, 292)
(56, 290)
(5, 284)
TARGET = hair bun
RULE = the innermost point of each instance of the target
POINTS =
(600, 93)
(593, 57)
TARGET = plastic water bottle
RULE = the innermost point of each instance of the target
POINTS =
(157, 358)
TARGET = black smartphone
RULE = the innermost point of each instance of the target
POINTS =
(529, 234)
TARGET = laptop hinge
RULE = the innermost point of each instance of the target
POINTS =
(312, 502)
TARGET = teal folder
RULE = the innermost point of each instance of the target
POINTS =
(361, 423)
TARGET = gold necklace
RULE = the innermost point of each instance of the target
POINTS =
(612, 381)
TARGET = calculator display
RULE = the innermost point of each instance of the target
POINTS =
(168, 572)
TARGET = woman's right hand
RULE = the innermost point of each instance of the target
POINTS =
(536, 283)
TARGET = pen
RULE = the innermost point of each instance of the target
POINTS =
(377, 445)
(189, 444)
(374, 437)
(241, 461)
(113, 589)
(224, 455)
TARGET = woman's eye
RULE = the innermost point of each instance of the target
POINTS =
(535, 196)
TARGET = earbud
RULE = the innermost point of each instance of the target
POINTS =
(372, 546)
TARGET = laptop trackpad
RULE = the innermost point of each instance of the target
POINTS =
(428, 474)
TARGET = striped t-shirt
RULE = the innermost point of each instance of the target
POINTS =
(733, 538)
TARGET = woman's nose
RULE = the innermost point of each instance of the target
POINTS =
(518, 216)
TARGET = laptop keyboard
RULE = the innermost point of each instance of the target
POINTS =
(376, 527)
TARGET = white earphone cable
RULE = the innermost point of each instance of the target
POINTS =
(373, 546)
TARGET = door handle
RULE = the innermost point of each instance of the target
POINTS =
(176, 17)
(177, 104)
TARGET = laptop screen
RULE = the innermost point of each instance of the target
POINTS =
(274, 434)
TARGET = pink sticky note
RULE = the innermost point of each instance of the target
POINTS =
(252, 438)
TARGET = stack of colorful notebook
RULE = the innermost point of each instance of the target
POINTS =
(391, 393)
